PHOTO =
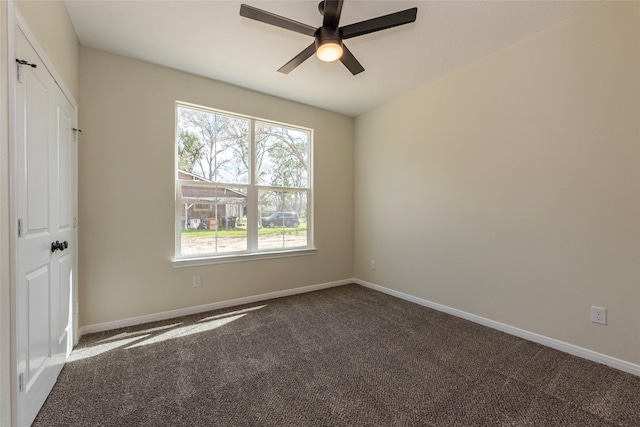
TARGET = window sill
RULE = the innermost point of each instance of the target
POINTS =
(224, 259)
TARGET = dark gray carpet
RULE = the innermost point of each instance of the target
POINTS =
(345, 356)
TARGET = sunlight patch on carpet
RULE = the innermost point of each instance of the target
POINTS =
(146, 331)
(96, 350)
(158, 334)
(188, 330)
(233, 313)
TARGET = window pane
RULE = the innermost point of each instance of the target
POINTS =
(282, 156)
(227, 164)
(213, 146)
(212, 219)
(283, 219)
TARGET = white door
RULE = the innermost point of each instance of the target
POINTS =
(45, 198)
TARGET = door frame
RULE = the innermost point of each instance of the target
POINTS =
(15, 23)
(7, 398)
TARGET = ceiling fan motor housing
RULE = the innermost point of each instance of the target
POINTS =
(328, 44)
(328, 34)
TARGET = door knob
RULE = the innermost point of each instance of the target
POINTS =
(55, 246)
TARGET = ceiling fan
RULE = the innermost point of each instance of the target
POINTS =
(328, 44)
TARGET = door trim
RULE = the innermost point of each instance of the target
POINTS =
(9, 390)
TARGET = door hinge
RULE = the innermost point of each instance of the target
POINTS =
(23, 62)
(20, 227)
(21, 383)
(75, 222)
(19, 64)
(76, 131)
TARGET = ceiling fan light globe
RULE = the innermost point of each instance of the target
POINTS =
(329, 52)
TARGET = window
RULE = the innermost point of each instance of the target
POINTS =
(243, 186)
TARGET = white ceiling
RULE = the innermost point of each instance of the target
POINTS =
(210, 38)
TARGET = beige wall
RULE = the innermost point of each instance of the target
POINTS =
(510, 189)
(126, 193)
(50, 23)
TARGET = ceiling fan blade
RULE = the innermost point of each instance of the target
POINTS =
(277, 20)
(379, 23)
(350, 61)
(298, 59)
(332, 11)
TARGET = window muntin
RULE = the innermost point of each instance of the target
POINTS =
(232, 173)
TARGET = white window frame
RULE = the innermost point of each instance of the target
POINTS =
(252, 252)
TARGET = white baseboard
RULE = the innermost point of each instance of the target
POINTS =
(132, 321)
(540, 339)
(584, 353)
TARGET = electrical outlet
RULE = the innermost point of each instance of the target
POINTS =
(599, 315)
(197, 281)
(372, 264)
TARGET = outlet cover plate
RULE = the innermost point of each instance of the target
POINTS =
(599, 315)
